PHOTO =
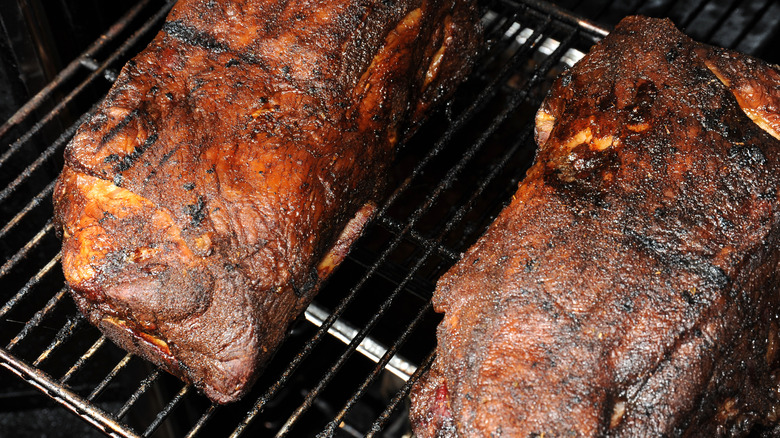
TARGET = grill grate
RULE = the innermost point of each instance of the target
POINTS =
(449, 181)
(749, 26)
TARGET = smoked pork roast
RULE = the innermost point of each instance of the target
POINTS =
(631, 287)
(234, 162)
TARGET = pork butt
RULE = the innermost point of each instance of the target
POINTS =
(631, 286)
(234, 162)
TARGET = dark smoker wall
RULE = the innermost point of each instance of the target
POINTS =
(39, 37)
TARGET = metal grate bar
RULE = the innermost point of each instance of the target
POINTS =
(370, 348)
(11, 303)
(467, 235)
(167, 410)
(37, 318)
(109, 74)
(111, 375)
(331, 427)
(142, 388)
(393, 273)
(766, 25)
(499, 25)
(514, 101)
(496, 168)
(692, 14)
(308, 347)
(717, 25)
(42, 158)
(394, 226)
(83, 359)
(479, 103)
(751, 24)
(69, 70)
(22, 253)
(500, 38)
(595, 31)
(202, 421)
(507, 35)
(65, 332)
(36, 201)
(67, 398)
(120, 52)
(400, 396)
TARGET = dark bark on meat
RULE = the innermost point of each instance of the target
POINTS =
(631, 287)
(234, 162)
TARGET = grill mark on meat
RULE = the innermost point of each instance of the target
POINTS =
(167, 156)
(664, 253)
(164, 159)
(196, 37)
(129, 160)
(116, 129)
(197, 211)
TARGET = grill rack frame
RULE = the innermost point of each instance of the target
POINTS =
(520, 33)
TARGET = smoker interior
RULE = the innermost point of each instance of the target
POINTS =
(348, 363)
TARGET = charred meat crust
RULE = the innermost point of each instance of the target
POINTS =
(234, 162)
(631, 286)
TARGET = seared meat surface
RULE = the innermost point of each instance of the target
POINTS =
(234, 162)
(631, 287)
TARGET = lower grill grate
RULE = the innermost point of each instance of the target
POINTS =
(449, 182)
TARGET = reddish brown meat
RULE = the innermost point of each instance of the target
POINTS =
(234, 162)
(632, 286)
